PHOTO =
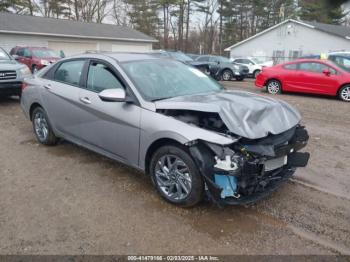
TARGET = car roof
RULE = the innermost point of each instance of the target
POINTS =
(120, 56)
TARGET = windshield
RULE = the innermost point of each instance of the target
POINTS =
(4, 55)
(181, 57)
(42, 53)
(160, 79)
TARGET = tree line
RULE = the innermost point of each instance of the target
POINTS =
(194, 26)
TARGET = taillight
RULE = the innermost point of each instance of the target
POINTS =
(24, 85)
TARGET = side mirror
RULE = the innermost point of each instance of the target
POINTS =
(113, 95)
(15, 57)
(326, 72)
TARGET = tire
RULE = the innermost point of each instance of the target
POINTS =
(226, 75)
(344, 93)
(256, 72)
(41, 123)
(274, 87)
(164, 182)
(34, 69)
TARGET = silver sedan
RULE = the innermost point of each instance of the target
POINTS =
(195, 139)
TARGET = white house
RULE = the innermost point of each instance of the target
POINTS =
(292, 39)
(72, 37)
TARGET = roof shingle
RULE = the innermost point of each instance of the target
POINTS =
(62, 27)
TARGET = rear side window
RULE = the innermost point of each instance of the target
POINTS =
(290, 66)
(69, 72)
(101, 77)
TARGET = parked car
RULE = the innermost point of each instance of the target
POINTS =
(11, 75)
(193, 56)
(342, 59)
(254, 64)
(35, 57)
(171, 121)
(180, 56)
(223, 69)
(307, 76)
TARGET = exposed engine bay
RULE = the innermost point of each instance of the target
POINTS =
(209, 121)
(249, 169)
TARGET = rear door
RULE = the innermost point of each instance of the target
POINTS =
(61, 96)
(109, 127)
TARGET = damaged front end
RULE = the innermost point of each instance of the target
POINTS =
(248, 170)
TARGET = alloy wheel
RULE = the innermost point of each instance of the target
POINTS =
(345, 94)
(41, 127)
(273, 87)
(226, 75)
(173, 177)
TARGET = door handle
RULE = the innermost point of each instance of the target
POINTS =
(85, 100)
(47, 86)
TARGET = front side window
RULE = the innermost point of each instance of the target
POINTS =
(159, 79)
(70, 72)
(26, 53)
(101, 77)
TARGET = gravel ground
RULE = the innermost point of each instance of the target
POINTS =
(68, 200)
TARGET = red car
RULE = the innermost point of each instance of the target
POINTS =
(307, 76)
(35, 57)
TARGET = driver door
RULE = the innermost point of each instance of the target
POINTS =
(112, 128)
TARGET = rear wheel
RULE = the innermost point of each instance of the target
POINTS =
(226, 75)
(176, 176)
(344, 93)
(42, 127)
(274, 87)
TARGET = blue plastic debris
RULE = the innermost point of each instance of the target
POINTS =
(228, 185)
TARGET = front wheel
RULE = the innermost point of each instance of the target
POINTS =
(42, 127)
(226, 75)
(344, 93)
(274, 87)
(176, 176)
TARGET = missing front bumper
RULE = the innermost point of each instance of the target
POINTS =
(253, 181)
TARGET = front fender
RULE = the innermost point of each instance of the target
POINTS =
(155, 126)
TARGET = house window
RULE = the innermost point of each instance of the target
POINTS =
(278, 56)
(294, 54)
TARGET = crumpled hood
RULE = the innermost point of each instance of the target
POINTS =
(245, 114)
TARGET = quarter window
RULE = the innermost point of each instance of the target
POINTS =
(69, 72)
(290, 67)
(101, 77)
